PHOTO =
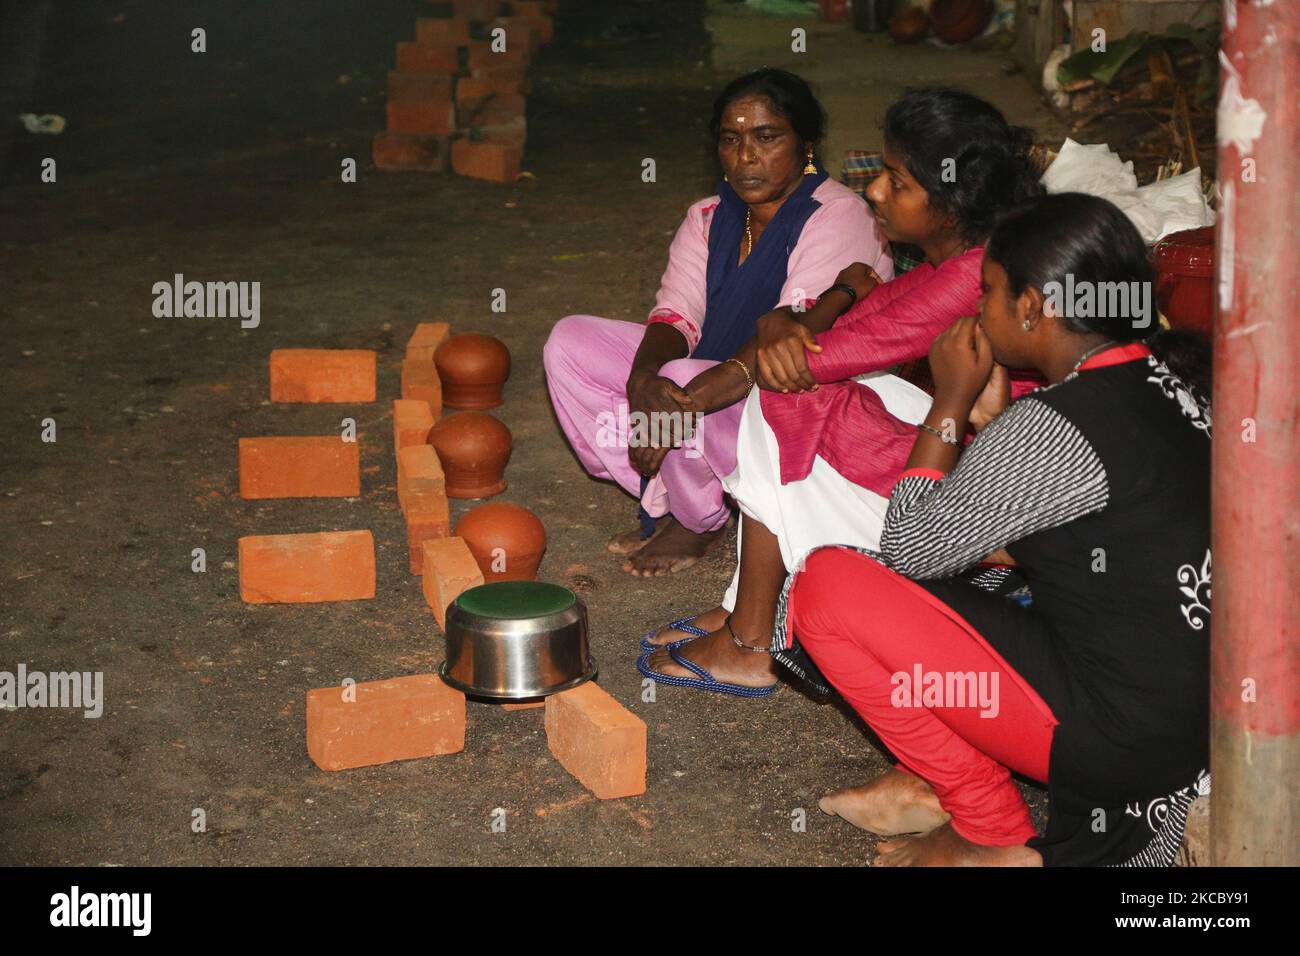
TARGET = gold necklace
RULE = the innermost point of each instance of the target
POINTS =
(749, 236)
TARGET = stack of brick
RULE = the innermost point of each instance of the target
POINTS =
(421, 108)
(458, 94)
(421, 485)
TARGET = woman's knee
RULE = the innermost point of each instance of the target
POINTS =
(567, 336)
(830, 592)
(681, 371)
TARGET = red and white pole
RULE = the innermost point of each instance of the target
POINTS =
(1255, 643)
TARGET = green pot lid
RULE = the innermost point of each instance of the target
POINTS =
(516, 600)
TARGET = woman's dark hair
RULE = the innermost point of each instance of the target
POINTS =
(960, 148)
(790, 96)
(1085, 242)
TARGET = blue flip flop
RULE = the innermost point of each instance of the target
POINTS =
(682, 624)
(703, 679)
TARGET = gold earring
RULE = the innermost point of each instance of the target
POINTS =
(810, 169)
(724, 178)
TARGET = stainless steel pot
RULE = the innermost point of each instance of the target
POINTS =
(517, 639)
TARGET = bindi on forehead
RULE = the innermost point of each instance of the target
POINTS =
(756, 123)
(752, 110)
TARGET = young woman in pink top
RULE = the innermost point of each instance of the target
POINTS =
(775, 236)
(825, 439)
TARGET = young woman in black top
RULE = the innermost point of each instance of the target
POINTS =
(1096, 488)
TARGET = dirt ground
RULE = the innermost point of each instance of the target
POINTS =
(225, 166)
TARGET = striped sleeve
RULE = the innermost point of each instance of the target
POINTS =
(1029, 470)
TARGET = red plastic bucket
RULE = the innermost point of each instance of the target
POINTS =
(1185, 278)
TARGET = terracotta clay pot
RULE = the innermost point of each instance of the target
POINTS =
(506, 540)
(910, 25)
(472, 367)
(956, 21)
(473, 448)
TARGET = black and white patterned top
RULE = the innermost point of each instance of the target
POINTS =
(1098, 487)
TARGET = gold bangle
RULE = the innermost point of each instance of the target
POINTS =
(749, 379)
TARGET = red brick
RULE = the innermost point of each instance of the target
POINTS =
(322, 375)
(432, 117)
(427, 57)
(307, 568)
(495, 162)
(404, 152)
(598, 740)
(308, 466)
(418, 470)
(419, 466)
(530, 705)
(420, 381)
(442, 30)
(449, 570)
(428, 515)
(384, 720)
(419, 461)
(426, 338)
(482, 55)
(419, 86)
(412, 420)
(478, 11)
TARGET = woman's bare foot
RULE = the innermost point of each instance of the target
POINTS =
(894, 803)
(944, 846)
(630, 542)
(672, 548)
(708, 621)
(718, 655)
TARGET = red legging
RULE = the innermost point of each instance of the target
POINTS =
(859, 645)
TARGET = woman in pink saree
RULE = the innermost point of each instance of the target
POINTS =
(775, 236)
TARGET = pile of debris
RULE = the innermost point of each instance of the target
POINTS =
(1153, 93)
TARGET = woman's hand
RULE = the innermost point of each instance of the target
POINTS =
(859, 277)
(649, 393)
(782, 359)
(993, 400)
(961, 361)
